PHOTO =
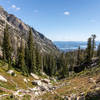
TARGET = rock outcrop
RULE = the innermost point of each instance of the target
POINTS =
(18, 29)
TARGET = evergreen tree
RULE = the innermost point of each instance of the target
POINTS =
(31, 53)
(89, 50)
(38, 60)
(65, 67)
(26, 56)
(21, 58)
(62, 66)
(98, 51)
(52, 65)
(79, 56)
(93, 44)
(6, 47)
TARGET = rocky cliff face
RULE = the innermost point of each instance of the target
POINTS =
(18, 29)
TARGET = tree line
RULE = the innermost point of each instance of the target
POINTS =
(30, 60)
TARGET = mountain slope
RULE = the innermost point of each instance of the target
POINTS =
(19, 29)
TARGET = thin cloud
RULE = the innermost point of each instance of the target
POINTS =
(15, 8)
(67, 13)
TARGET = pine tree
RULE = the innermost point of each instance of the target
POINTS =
(6, 47)
(38, 60)
(52, 65)
(62, 66)
(98, 51)
(79, 56)
(65, 67)
(89, 50)
(31, 53)
(93, 44)
(26, 56)
(21, 58)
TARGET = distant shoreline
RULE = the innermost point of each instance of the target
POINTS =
(72, 45)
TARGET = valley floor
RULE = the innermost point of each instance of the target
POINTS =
(82, 86)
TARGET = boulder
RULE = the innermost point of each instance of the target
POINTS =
(37, 82)
(3, 79)
(25, 80)
(81, 98)
(73, 97)
(53, 79)
(11, 72)
(66, 98)
(47, 81)
(43, 73)
(36, 93)
(43, 88)
(28, 80)
(91, 80)
(97, 88)
(35, 76)
(35, 89)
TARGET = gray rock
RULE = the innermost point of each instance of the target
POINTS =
(91, 80)
(73, 97)
(47, 81)
(53, 79)
(3, 79)
(17, 28)
(66, 98)
(43, 88)
(34, 76)
(81, 98)
(25, 80)
(11, 72)
(37, 82)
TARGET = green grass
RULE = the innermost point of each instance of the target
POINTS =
(13, 81)
(26, 97)
(10, 97)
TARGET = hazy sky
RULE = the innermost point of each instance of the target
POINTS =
(59, 20)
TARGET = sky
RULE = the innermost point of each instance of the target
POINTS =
(58, 20)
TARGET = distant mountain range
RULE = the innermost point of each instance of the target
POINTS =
(72, 45)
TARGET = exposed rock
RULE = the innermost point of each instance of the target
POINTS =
(37, 82)
(47, 81)
(81, 98)
(97, 88)
(11, 72)
(28, 80)
(25, 80)
(53, 79)
(43, 73)
(35, 76)
(35, 89)
(91, 80)
(66, 98)
(43, 88)
(73, 97)
(3, 95)
(18, 28)
(3, 79)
